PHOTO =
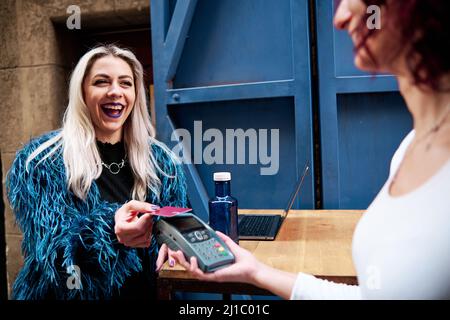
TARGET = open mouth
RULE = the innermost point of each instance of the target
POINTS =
(113, 110)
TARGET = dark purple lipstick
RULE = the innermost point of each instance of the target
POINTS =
(113, 109)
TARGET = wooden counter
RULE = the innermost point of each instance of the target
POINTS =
(318, 242)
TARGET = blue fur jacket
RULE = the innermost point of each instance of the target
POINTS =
(61, 231)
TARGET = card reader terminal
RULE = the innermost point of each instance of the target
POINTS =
(193, 237)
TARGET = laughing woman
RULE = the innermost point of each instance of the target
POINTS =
(76, 192)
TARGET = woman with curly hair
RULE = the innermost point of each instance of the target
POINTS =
(84, 195)
(401, 246)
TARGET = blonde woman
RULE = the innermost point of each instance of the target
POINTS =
(76, 192)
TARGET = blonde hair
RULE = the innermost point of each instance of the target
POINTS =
(77, 138)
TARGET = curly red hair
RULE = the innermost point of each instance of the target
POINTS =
(425, 27)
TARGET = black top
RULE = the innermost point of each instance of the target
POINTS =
(117, 187)
(114, 187)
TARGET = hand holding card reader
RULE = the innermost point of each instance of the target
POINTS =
(193, 237)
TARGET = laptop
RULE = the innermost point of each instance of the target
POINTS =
(266, 226)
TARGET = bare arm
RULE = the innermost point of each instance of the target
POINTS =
(246, 269)
(276, 281)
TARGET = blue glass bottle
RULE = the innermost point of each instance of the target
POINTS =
(223, 207)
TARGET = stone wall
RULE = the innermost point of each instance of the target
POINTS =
(35, 61)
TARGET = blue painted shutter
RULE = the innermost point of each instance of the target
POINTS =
(236, 65)
(246, 64)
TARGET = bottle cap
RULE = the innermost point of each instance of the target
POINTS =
(222, 176)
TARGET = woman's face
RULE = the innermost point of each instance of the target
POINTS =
(109, 94)
(383, 43)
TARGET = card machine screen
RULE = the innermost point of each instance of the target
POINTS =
(184, 224)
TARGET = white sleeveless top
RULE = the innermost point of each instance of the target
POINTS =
(401, 245)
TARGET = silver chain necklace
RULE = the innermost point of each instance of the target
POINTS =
(115, 167)
(433, 130)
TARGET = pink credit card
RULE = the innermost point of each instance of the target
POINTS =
(170, 211)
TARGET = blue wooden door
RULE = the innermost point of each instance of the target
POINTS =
(227, 67)
(362, 120)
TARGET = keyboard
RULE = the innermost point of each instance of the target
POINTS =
(256, 225)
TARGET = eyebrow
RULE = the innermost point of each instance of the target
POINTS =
(104, 75)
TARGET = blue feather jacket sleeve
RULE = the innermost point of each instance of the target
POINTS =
(61, 231)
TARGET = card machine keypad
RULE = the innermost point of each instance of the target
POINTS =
(207, 246)
(211, 249)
